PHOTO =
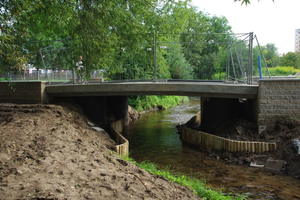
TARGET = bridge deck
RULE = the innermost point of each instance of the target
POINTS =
(203, 89)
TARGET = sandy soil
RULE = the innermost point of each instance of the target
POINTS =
(49, 152)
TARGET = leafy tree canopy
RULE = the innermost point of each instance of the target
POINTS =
(245, 1)
(109, 34)
(291, 59)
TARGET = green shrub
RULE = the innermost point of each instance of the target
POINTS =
(141, 103)
(5, 79)
(219, 76)
(280, 71)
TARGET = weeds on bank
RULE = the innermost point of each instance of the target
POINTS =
(198, 186)
(141, 103)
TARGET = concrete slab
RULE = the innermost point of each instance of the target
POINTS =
(90, 124)
(98, 129)
(276, 165)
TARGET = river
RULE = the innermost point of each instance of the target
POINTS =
(153, 137)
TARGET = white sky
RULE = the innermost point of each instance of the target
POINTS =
(272, 22)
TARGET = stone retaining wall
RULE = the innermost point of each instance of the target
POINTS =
(277, 98)
(206, 140)
(23, 92)
(115, 130)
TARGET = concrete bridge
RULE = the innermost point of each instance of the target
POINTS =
(270, 97)
(203, 89)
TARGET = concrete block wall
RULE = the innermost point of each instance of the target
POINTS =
(23, 92)
(277, 97)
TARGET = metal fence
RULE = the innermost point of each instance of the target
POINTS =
(49, 76)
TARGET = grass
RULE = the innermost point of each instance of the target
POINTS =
(198, 186)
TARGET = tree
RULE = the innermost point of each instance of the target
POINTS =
(245, 1)
(271, 55)
(202, 41)
(179, 67)
(12, 54)
(115, 26)
(106, 33)
(291, 59)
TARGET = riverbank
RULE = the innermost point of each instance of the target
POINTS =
(49, 152)
(284, 131)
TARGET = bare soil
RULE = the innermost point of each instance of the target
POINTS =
(49, 152)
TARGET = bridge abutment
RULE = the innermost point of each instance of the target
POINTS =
(27, 92)
(102, 110)
(95, 108)
(118, 107)
(217, 112)
(277, 97)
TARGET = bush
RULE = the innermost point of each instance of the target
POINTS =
(141, 103)
(280, 71)
(219, 76)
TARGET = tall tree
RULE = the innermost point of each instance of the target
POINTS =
(12, 25)
(271, 55)
(102, 29)
(291, 59)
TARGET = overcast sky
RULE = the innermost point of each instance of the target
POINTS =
(272, 22)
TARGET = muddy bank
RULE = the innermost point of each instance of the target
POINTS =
(49, 152)
(284, 131)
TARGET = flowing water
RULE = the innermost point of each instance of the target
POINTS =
(153, 137)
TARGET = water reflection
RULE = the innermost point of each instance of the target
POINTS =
(153, 137)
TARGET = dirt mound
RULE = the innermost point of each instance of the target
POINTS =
(49, 152)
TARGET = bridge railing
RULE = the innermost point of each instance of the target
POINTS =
(65, 75)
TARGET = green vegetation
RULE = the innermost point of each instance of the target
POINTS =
(141, 103)
(281, 71)
(195, 184)
(120, 39)
(246, 1)
(199, 186)
(278, 65)
(285, 65)
(219, 76)
(4, 79)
